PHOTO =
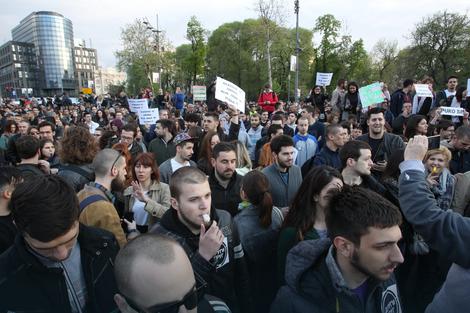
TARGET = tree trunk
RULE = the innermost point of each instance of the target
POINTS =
(268, 56)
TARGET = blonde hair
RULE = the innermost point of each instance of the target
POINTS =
(243, 157)
(442, 150)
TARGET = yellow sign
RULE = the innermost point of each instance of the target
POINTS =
(87, 91)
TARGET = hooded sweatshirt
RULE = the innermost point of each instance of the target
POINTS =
(314, 283)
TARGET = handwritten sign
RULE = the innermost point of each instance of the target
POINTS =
(135, 105)
(148, 116)
(422, 90)
(371, 94)
(324, 79)
(199, 93)
(230, 93)
(452, 111)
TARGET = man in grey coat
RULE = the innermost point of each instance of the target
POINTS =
(184, 151)
(445, 231)
(284, 177)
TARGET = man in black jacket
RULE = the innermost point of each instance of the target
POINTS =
(208, 238)
(55, 264)
(224, 181)
(401, 96)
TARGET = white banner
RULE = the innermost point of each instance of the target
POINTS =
(452, 111)
(135, 105)
(293, 63)
(230, 93)
(148, 116)
(468, 87)
(155, 78)
(422, 90)
(324, 79)
(199, 93)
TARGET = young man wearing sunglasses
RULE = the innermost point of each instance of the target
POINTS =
(154, 274)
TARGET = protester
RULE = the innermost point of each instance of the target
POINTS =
(445, 97)
(28, 149)
(76, 151)
(8, 131)
(184, 151)
(96, 199)
(438, 227)
(48, 152)
(10, 177)
(205, 153)
(213, 246)
(440, 180)
(147, 199)
(305, 143)
(64, 268)
(244, 164)
(306, 217)
(459, 146)
(258, 224)
(128, 137)
(267, 99)
(140, 267)
(163, 146)
(401, 96)
(352, 270)
(285, 178)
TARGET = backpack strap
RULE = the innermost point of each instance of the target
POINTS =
(89, 200)
(77, 169)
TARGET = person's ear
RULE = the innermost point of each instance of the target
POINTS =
(350, 162)
(213, 162)
(174, 203)
(343, 246)
(6, 194)
(122, 304)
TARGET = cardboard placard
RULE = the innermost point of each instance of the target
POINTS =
(452, 111)
(422, 90)
(371, 94)
(135, 105)
(324, 79)
(230, 93)
(148, 116)
(199, 93)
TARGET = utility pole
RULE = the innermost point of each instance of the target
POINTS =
(156, 32)
(297, 50)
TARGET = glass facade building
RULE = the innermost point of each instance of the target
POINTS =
(52, 36)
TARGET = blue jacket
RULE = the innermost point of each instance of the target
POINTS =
(445, 231)
(306, 146)
(178, 100)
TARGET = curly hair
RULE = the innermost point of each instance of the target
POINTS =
(78, 146)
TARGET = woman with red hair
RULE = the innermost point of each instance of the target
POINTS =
(147, 198)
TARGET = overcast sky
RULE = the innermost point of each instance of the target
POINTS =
(102, 20)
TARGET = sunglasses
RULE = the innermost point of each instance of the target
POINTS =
(190, 301)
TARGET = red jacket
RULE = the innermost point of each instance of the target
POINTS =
(268, 96)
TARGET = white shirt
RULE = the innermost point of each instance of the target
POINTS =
(140, 215)
(176, 165)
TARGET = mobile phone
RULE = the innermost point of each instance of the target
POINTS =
(128, 216)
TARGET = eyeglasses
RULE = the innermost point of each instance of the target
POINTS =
(190, 301)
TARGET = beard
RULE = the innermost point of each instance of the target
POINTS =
(358, 265)
(118, 185)
(187, 221)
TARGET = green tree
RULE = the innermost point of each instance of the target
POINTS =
(328, 28)
(384, 54)
(441, 41)
(196, 34)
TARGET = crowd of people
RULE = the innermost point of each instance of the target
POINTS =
(317, 206)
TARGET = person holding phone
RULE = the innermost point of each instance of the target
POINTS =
(439, 179)
(147, 199)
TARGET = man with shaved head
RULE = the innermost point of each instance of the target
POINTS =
(154, 274)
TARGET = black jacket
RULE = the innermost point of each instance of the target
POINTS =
(226, 198)
(226, 274)
(28, 286)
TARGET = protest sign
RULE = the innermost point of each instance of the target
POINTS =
(452, 111)
(148, 116)
(468, 87)
(74, 100)
(371, 94)
(293, 63)
(422, 90)
(230, 93)
(155, 78)
(135, 105)
(199, 93)
(324, 79)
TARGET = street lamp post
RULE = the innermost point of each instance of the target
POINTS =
(297, 50)
(157, 32)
